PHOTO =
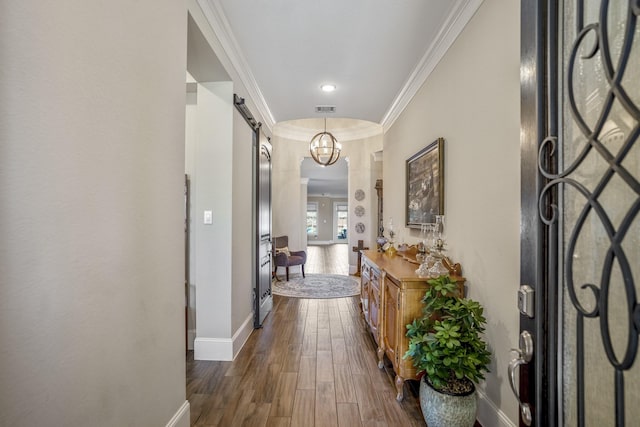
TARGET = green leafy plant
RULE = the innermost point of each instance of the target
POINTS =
(446, 341)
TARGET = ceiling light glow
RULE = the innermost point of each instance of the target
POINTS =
(328, 87)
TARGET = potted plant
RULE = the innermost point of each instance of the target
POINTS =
(446, 345)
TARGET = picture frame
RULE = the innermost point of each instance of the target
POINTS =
(425, 185)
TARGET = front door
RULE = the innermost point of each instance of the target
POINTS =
(580, 318)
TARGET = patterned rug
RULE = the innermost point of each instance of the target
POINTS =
(317, 286)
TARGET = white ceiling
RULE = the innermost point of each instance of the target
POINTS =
(377, 52)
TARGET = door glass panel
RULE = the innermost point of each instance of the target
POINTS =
(599, 195)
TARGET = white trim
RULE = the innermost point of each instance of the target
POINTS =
(181, 417)
(221, 27)
(358, 129)
(489, 414)
(242, 335)
(225, 349)
(461, 13)
(213, 349)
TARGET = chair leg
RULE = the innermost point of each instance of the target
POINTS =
(302, 266)
(287, 274)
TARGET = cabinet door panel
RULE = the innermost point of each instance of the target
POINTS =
(374, 311)
(390, 332)
(365, 283)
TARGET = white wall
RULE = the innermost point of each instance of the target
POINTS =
(472, 100)
(289, 207)
(91, 208)
(219, 161)
(287, 202)
(212, 186)
(243, 245)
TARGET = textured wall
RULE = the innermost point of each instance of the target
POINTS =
(91, 212)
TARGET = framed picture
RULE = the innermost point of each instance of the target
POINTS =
(425, 185)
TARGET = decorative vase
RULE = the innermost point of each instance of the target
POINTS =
(445, 410)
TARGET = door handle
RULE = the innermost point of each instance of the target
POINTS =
(524, 356)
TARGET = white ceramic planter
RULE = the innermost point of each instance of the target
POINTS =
(444, 410)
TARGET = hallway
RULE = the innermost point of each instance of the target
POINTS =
(327, 259)
(312, 364)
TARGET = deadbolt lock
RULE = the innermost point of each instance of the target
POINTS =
(526, 300)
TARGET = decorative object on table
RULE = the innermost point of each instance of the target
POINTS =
(358, 249)
(381, 240)
(438, 268)
(425, 185)
(317, 286)
(359, 228)
(359, 210)
(391, 250)
(324, 147)
(359, 195)
(427, 260)
(446, 344)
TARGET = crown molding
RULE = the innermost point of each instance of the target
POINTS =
(460, 15)
(300, 133)
(217, 19)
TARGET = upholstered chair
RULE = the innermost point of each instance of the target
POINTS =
(285, 257)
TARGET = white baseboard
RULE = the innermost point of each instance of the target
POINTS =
(213, 349)
(489, 415)
(352, 269)
(182, 417)
(242, 335)
(223, 349)
(320, 242)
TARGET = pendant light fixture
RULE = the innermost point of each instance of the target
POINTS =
(324, 147)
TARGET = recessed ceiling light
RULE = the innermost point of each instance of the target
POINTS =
(328, 88)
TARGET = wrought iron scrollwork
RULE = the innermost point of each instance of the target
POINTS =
(592, 137)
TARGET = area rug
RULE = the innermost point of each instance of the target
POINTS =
(317, 286)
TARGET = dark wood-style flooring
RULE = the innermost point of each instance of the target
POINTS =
(312, 364)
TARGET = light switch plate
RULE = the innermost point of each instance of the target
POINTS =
(208, 217)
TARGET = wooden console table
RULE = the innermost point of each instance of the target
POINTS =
(391, 295)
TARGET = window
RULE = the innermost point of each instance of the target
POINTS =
(342, 214)
(312, 219)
